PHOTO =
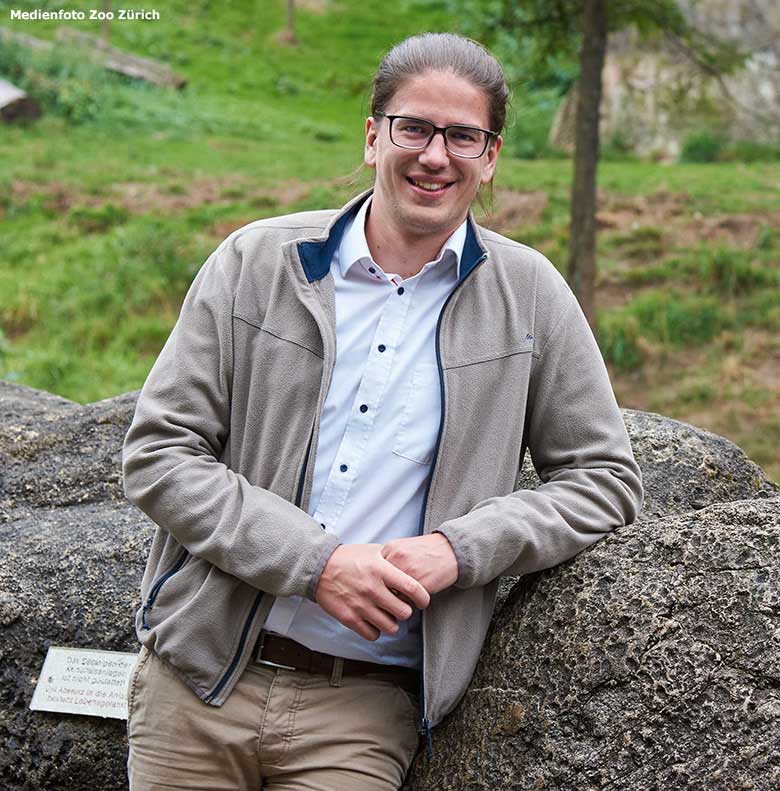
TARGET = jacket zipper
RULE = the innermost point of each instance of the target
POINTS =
(240, 650)
(154, 592)
(424, 728)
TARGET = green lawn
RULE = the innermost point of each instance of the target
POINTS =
(111, 201)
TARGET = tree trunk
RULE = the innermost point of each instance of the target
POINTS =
(291, 19)
(582, 240)
(106, 29)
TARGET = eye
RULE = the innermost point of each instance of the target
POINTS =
(462, 134)
(411, 127)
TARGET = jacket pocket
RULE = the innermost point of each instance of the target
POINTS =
(157, 586)
(419, 424)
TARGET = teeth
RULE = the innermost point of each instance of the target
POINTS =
(427, 185)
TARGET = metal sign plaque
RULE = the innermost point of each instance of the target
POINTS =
(84, 681)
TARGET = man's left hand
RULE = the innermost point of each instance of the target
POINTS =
(429, 559)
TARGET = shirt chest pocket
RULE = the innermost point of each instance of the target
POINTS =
(419, 424)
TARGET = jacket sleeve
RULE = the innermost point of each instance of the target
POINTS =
(591, 483)
(170, 458)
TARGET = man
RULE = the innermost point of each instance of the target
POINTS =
(329, 443)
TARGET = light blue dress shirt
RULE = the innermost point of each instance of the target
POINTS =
(378, 428)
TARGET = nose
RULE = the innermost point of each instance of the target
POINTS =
(435, 154)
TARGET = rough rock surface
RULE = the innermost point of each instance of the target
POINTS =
(71, 555)
(54, 452)
(655, 94)
(683, 468)
(652, 661)
(72, 552)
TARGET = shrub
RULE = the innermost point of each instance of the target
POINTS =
(73, 87)
(751, 151)
(732, 272)
(97, 220)
(618, 148)
(642, 244)
(702, 146)
(768, 238)
(679, 321)
(66, 86)
(618, 338)
(528, 125)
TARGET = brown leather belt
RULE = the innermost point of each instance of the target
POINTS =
(273, 650)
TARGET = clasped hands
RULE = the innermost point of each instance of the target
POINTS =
(369, 588)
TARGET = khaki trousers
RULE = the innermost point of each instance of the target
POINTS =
(279, 730)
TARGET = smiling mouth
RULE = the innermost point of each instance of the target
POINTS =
(430, 186)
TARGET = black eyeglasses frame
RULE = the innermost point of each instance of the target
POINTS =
(489, 135)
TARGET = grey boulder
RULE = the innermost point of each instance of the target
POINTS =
(599, 660)
(651, 661)
(71, 555)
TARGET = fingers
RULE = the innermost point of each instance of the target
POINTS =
(382, 613)
(378, 616)
(365, 630)
(407, 586)
(372, 622)
(367, 593)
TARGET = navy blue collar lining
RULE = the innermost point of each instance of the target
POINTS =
(316, 256)
(473, 251)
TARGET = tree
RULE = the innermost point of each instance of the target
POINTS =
(105, 26)
(582, 238)
(546, 31)
(287, 36)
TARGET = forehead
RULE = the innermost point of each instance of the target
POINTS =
(442, 97)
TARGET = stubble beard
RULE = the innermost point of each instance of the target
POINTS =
(419, 223)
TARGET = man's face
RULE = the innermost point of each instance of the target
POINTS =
(411, 210)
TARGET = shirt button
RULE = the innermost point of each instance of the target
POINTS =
(343, 468)
(372, 270)
(322, 525)
(363, 408)
(381, 347)
(401, 290)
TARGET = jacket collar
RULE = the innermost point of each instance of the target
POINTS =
(316, 254)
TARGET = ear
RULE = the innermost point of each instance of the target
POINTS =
(372, 132)
(490, 158)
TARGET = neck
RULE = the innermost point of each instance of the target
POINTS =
(403, 253)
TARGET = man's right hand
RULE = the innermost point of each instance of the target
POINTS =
(363, 591)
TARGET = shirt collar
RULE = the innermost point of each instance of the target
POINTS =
(354, 246)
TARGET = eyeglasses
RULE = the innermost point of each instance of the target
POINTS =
(468, 142)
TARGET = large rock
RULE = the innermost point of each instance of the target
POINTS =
(683, 468)
(71, 555)
(69, 576)
(652, 661)
(55, 452)
(72, 552)
(656, 92)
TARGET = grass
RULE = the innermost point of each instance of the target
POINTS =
(111, 201)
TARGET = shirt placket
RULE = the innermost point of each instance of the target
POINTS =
(357, 434)
(348, 464)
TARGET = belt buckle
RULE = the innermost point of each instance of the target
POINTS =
(267, 662)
